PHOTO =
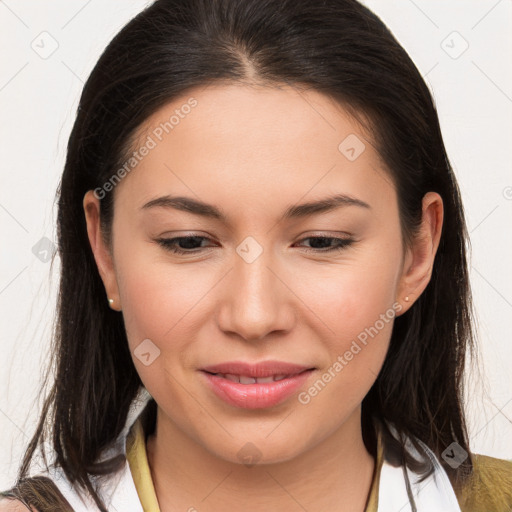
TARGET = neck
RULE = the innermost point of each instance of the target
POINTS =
(334, 475)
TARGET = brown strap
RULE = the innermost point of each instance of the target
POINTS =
(39, 494)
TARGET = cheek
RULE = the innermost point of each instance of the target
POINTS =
(360, 323)
(158, 301)
(352, 297)
(158, 306)
(357, 308)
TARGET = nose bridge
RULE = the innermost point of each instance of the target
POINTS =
(256, 301)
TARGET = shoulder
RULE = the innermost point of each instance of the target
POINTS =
(489, 487)
(7, 505)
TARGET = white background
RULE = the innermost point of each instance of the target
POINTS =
(38, 99)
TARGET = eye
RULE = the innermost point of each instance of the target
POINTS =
(324, 243)
(188, 244)
(192, 244)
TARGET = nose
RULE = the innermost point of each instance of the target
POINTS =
(256, 300)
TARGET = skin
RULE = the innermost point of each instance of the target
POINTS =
(253, 152)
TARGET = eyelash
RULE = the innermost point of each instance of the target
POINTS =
(169, 244)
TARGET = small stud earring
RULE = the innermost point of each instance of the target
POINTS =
(111, 301)
(406, 298)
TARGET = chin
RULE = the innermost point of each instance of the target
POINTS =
(257, 450)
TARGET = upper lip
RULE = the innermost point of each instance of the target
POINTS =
(263, 369)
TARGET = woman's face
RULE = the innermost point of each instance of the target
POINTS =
(258, 283)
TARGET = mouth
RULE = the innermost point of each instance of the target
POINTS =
(247, 379)
(256, 386)
(264, 369)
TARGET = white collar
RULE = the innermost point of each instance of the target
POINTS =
(434, 494)
(118, 492)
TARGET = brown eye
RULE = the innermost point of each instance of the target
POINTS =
(327, 243)
(182, 244)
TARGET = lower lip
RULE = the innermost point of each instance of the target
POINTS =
(255, 396)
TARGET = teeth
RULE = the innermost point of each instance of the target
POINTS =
(243, 379)
(263, 380)
(247, 380)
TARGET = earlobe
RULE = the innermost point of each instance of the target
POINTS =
(102, 254)
(419, 260)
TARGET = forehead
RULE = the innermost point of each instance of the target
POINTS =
(242, 117)
(253, 144)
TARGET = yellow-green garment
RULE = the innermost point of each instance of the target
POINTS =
(489, 490)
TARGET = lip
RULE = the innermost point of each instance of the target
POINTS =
(263, 369)
(256, 395)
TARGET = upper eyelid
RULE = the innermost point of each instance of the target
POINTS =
(346, 237)
(314, 235)
(318, 233)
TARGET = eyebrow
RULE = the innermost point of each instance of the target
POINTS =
(187, 204)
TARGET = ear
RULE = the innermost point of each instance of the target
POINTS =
(419, 259)
(102, 253)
